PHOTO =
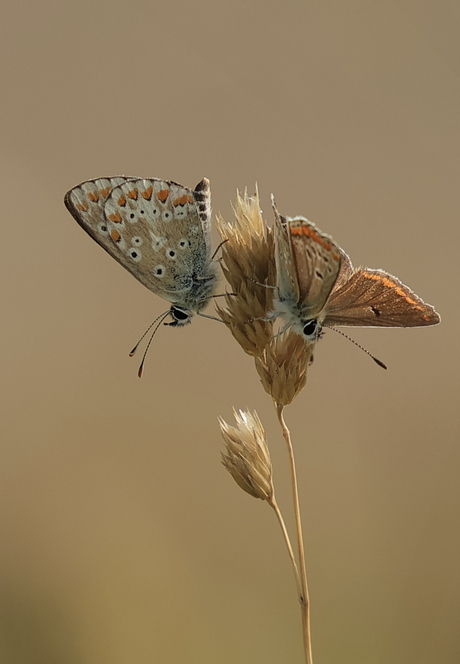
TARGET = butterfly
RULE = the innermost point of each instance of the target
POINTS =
(317, 285)
(158, 230)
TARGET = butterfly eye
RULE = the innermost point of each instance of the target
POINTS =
(310, 328)
(179, 314)
(159, 271)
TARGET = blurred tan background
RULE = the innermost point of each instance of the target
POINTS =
(123, 538)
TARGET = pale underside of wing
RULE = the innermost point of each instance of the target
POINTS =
(286, 278)
(374, 298)
(86, 201)
(317, 260)
(160, 222)
(158, 230)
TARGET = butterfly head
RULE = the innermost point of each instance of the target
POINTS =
(180, 316)
(294, 317)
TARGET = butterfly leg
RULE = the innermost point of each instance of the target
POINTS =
(211, 317)
(267, 319)
(260, 284)
(218, 247)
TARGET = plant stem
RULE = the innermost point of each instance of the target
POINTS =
(272, 502)
(303, 595)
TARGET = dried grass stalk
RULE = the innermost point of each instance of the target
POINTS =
(281, 361)
(303, 584)
(247, 459)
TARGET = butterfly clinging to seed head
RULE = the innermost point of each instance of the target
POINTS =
(318, 286)
(158, 230)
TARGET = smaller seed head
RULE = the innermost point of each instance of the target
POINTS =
(247, 457)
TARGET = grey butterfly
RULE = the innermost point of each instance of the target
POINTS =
(158, 230)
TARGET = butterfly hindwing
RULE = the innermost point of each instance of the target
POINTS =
(317, 262)
(157, 227)
(307, 265)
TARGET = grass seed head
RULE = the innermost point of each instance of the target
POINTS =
(246, 457)
(248, 264)
(283, 366)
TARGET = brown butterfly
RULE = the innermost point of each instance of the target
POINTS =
(318, 286)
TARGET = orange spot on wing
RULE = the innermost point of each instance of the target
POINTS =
(115, 235)
(105, 192)
(180, 200)
(121, 201)
(163, 195)
(93, 196)
(190, 198)
(132, 194)
(115, 217)
(83, 207)
(147, 194)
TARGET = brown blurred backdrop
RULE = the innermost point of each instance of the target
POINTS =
(123, 538)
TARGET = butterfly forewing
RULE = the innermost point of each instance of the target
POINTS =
(374, 298)
(286, 278)
(85, 203)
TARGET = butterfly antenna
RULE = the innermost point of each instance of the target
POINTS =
(141, 366)
(164, 314)
(376, 360)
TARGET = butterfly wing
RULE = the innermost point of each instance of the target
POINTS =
(345, 272)
(374, 298)
(286, 277)
(85, 203)
(317, 260)
(157, 229)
